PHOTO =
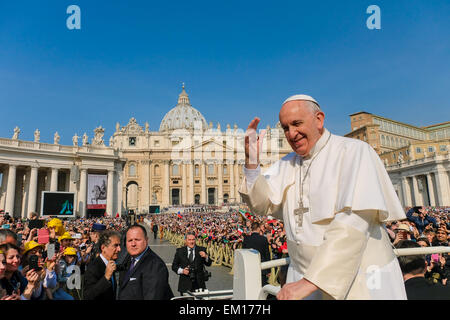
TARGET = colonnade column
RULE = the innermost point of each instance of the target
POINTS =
(110, 194)
(54, 180)
(442, 183)
(33, 189)
(406, 192)
(11, 190)
(417, 196)
(431, 190)
(83, 193)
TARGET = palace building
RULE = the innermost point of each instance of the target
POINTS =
(416, 158)
(186, 162)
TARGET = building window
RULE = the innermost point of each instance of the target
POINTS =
(175, 170)
(225, 169)
(156, 143)
(225, 181)
(197, 181)
(430, 149)
(156, 170)
(197, 170)
(418, 150)
(443, 148)
(210, 169)
(132, 170)
(132, 141)
(280, 143)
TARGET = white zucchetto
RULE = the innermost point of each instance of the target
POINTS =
(301, 97)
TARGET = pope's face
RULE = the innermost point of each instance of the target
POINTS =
(302, 127)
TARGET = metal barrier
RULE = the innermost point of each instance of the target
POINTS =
(247, 275)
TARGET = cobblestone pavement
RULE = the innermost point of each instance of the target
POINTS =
(221, 279)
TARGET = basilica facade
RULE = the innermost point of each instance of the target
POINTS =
(187, 161)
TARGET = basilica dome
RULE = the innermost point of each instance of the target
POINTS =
(183, 116)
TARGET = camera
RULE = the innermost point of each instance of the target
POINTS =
(193, 270)
(34, 262)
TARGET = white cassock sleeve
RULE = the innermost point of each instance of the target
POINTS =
(251, 175)
(337, 260)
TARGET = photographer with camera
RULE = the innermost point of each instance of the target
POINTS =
(189, 262)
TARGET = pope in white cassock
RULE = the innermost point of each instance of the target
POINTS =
(334, 196)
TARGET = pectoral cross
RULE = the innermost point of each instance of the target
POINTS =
(298, 214)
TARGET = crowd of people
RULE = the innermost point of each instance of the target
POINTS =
(225, 228)
(36, 255)
(427, 226)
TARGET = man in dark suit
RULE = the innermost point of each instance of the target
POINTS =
(188, 263)
(99, 280)
(259, 243)
(155, 230)
(145, 275)
(413, 269)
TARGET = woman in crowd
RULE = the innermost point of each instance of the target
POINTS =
(3, 294)
(13, 281)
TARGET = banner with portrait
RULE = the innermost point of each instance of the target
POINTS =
(97, 191)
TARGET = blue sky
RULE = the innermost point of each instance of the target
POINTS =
(238, 59)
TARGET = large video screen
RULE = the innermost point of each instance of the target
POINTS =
(59, 204)
(153, 209)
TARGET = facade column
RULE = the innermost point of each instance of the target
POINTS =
(231, 173)
(184, 191)
(82, 196)
(110, 194)
(417, 196)
(236, 181)
(203, 199)
(11, 190)
(220, 184)
(191, 183)
(150, 183)
(54, 180)
(146, 195)
(119, 202)
(431, 190)
(32, 193)
(166, 192)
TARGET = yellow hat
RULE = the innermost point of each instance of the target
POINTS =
(66, 235)
(58, 225)
(70, 251)
(30, 245)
